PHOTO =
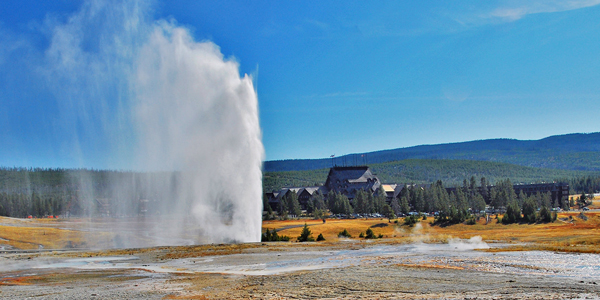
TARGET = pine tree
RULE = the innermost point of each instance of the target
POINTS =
(529, 209)
(404, 208)
(293, 204)
(306, 235)
(513, 213)
(320, 237)
(360, 202)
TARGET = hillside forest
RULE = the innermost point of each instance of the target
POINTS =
(81, 192)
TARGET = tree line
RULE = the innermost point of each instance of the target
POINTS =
(78, 192)
(451, 172)
(451, 206)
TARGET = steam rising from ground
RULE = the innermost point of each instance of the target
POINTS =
(474, 242)
(148, 94)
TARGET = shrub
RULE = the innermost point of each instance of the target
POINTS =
(272, 236)
(471, 220)
(306, 235)
(370, 234)
(361, 235)
(411, 220)
(344, 234)
(320, 237)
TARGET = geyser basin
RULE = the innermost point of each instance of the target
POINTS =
(260, 260)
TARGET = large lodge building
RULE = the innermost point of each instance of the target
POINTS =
(349, 180)
(344, 180)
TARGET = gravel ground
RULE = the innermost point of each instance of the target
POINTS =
(386, 282)
(141, 280)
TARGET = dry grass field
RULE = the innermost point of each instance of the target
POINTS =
(173, 272)
(595, 202)
(570, 233)
(45, 233)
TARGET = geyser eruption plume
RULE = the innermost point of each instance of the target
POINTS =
(196, 115)
(162, 102)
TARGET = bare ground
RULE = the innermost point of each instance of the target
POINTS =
(363, 281)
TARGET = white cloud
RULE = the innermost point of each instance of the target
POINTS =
(515, 10)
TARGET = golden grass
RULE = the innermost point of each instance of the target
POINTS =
(31, 237)
(332, 228)
(572, 235)
(30, 233)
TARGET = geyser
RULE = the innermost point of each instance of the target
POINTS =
(150, 95)
(196, 115)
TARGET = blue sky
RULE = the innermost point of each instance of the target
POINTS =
(336, 77)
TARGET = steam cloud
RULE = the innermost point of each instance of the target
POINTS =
(148, 94)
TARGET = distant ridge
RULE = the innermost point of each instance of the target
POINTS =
(576, 151)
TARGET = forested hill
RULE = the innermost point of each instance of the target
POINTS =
(578, 151)
(451, 172)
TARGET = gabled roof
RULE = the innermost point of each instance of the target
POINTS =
(310, 190)
(357, 174)
(348, 180)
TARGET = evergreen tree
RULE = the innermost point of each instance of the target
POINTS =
(484, 189)
(545, 215)
(305, 235)
(478, 203)
(521, 198)
(529, 208)
(395, 205)
(504, 194)
(404, 208)
(379, 200)
(318, 200)
(331, 198)
(283, 207)
(320, 237)
(388, 212)
(293, 204)
(473, 185)
(360, 201)
(269, 212)
(265, 202)
(513, 213)
(370, 204)
(461, 200)
(546, 200)
(310, 206)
